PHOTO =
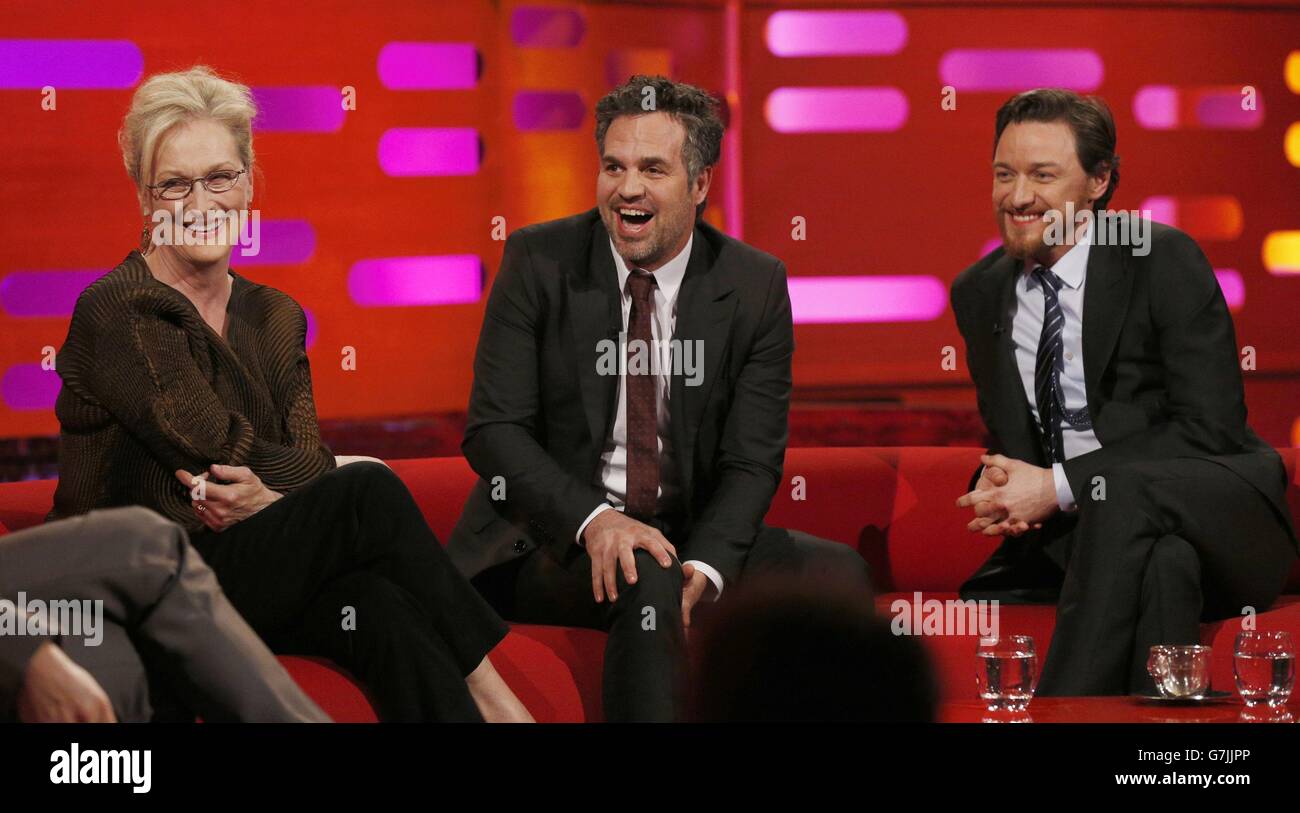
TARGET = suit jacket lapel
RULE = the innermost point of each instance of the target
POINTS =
(1015, 426)
(1105, 304)
(595, 316)
(705, 307)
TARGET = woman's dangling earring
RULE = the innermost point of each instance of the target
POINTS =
(146, 240)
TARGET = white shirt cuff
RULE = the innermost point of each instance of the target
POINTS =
(714, 575)
(1064, 495)
(602, 507)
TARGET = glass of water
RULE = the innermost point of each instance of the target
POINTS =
(1006, 672)
(1264, 663)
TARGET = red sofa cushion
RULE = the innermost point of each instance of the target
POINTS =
(25, 503)
(439, 486)
(332, 687)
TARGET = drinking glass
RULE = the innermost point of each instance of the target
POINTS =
(1007, 672)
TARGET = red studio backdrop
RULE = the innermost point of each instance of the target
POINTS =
(845, 163)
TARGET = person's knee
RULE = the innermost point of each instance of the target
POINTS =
(846, 563)
(1173, 559)
(131, 520)
(1123, 487)
(371, 484)
(832, 564)
(143, 535)
(653, 580)
(368, 473)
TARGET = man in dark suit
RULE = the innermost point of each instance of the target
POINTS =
(1122, 476)
(628, 417)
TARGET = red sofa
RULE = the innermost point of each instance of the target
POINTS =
(896, 506)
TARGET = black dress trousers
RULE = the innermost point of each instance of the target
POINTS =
(347, 568)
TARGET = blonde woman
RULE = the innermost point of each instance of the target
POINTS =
(186, 389)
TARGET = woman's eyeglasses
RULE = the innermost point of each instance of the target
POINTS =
(223, 180)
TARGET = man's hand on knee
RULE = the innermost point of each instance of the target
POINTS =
(610, 539)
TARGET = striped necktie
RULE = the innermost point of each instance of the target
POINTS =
(642, 405)
(1048, 367)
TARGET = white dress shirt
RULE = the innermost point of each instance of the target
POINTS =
(613, 461)
(1026, 329)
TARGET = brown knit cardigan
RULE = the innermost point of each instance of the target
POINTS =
(149, 388)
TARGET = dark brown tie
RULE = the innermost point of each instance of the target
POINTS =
(642, 409)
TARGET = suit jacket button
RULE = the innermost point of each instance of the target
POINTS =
(520, 545)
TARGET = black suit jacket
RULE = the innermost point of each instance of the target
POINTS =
(540, 412)
(1161, 366)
